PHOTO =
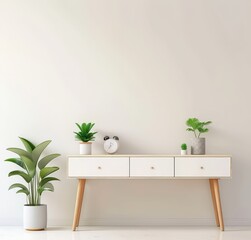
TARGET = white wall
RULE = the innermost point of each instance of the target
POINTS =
(138, 69)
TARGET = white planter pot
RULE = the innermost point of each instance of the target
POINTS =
(183, 152)
(35, 217)
(85, 148)
(198, 146)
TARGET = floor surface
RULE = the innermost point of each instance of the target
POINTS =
(128, 233)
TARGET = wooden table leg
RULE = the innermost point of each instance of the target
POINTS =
(214, 202)
(218, 202)
(78, 205)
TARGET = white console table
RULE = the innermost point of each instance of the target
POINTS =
(212, 167)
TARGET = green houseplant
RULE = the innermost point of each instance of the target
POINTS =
(85, 136)
(183, 149)
(197, 127)
(34, 171)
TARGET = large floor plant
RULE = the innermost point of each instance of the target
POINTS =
(34, 170)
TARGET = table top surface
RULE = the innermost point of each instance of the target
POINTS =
(148, 155)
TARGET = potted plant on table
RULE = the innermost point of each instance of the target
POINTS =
(183, 149)
(198, 146)
(35, 172)
(85, 136)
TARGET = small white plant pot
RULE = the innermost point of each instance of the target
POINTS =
(35, 217)
(85, 148)
(183, 152)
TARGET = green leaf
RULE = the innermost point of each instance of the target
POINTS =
(20, 152)
(44, 161)
(17, 161)
(36, 153)
(46, 180)
(47, 171)
(190, 129)
(46, 187)
(193, 123)
(79, 134)
(206, 123)
(79, 126)
(23, 191)
(19, 185)
(24, 175)
(49, 186)
(88, 127)
(203, 130)
(28, 145)
(30, 165)
(84, 126)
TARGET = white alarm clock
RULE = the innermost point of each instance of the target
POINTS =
(111, 145)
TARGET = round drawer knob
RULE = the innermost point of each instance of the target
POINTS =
(201, 167)
(99, 167)
(152, 167)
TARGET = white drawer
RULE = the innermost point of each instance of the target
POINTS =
(202, 167)
(151, 167)
(88, 167)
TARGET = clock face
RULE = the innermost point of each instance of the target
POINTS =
(111, 146)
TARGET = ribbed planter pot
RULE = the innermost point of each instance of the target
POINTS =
(198, 146)
(35, 217)
(85, 148)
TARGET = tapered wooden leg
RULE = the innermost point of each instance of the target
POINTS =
(218, 202)
(78, 205)
(214, 202)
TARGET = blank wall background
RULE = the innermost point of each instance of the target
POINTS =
(138, 69)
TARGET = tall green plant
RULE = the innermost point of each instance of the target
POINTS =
(85, 134)
(34, 172)
(197, 127)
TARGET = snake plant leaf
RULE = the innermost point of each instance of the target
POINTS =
(44, 161)
(88, 127)
(47, 171)
(30, 165)
(20, 152)
(19, 185)
(84, 127)
(23, 191)
(46, 187)
(24, 175)
(78, 135)
(79, 126)
(46, 180)
(27, 144)
(36, 153)
(92, 125)
(17, 161)
(90, 135)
